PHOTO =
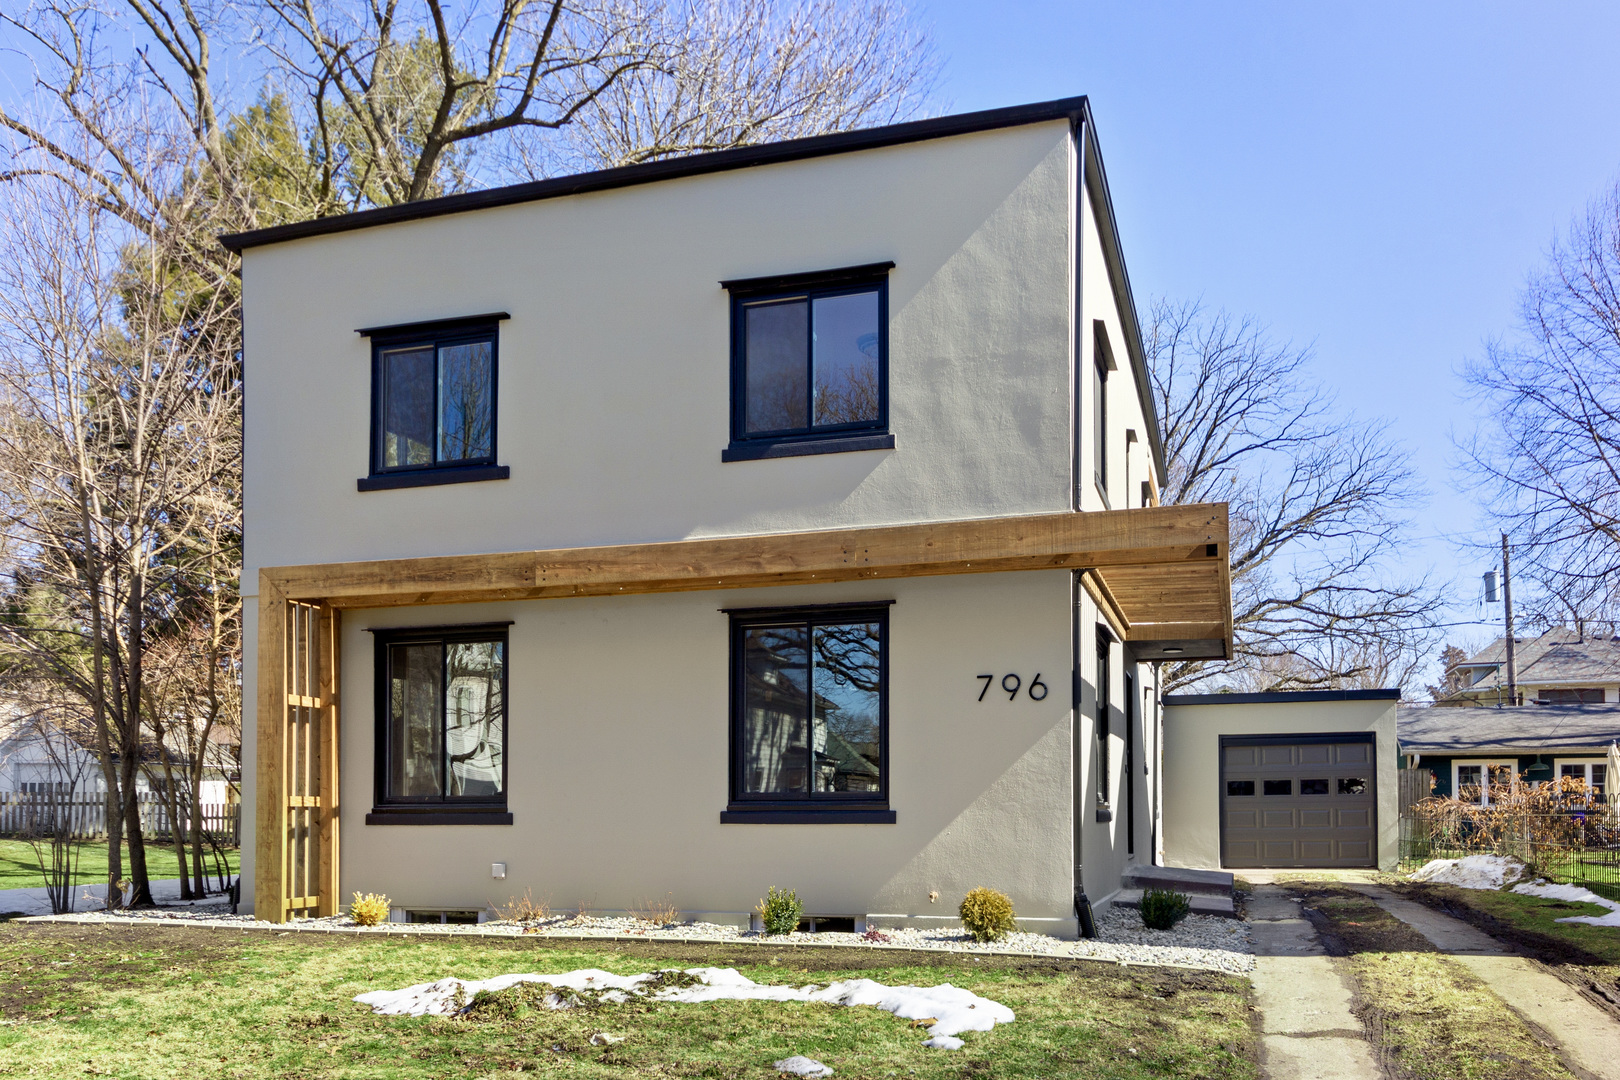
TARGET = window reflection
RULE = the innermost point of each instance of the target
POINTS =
(812, 709)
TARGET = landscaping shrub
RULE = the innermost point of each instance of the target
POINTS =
(987, 914)
(780, 911)
(1162, 909)
(369, 910)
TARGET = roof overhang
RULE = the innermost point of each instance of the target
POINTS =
(1160, 575)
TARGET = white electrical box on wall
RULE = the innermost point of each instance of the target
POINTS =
(497, 870)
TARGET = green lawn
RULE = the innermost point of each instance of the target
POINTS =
(139, 1002)
(20, 870)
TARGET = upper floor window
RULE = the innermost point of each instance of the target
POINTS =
(433, 403)
(809, 363)
(1103, 358)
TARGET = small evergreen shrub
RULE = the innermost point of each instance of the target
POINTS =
(369, 910)
(987, 914)
(1162, 909)
(780, 911)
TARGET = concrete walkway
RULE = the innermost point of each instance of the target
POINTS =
(85, 897)
(1307, 1031)
(1589, 1037)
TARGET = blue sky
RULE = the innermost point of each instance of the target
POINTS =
(1374, 178)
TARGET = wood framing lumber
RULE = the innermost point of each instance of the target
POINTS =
(1151, 536)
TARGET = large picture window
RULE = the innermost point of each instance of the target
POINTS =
(810, 363)
(809, 730)
(433, 403)
(441, 726)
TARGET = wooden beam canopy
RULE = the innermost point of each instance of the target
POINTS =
(1165, 567)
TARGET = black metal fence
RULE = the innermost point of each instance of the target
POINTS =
(1590, 858)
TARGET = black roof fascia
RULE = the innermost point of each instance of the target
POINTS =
(1283, 696)
(1096, 181)
(1071, 109)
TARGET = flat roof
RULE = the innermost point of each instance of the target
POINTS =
(1283, 696)
(1072, 109)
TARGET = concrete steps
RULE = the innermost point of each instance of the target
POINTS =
(1210, 891)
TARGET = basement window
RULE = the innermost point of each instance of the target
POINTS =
(810, 708)
(441, 727)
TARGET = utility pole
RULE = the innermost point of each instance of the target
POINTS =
(1507, 618)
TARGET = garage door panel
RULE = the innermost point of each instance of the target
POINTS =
(1309, 803)
(1242, 757)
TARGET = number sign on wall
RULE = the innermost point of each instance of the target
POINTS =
(1011, 684)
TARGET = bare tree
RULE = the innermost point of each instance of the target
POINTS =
(729, 73)
(1317, 501)
(115, 421)
(1548, 459)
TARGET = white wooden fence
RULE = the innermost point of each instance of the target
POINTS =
(85, 815)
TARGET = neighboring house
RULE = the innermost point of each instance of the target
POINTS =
(779, 516)
(1561, 667)
(1474, 752)
(40, 758)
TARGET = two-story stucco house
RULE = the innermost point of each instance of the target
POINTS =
(780, 516)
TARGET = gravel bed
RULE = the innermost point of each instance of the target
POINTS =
(1198, 941)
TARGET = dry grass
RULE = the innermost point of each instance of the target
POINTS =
(524, 909)
(658, 912)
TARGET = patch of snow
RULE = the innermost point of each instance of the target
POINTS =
(799, 1065)
(943, 1042)
(1576, 894)
(1472, 871)
(950, 1009)
(602, 1038)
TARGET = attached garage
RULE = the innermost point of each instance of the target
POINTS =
(1280, 780)
(1299, 801)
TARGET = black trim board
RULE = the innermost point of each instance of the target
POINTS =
(1282, 697)
(843, 275)
(1072, 109)
(1300, 738)
(433, 325)
(437, 817)
(433, 477)
(806, 446)
(832, 815)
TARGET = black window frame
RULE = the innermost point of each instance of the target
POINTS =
(1102, 723)
(828, 439)
(445, 810)
(437, 335)
(811, 807)
(1103, 362)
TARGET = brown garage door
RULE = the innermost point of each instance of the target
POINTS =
(1306, 801)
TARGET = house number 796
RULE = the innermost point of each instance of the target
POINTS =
(1012, 684)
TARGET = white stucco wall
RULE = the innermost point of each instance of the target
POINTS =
(618, 744)
(1192, 796)
(614, 367)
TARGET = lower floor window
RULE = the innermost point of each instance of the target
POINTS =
(1484, 781)
(1594, 774)
(810, 706)
(441, 724)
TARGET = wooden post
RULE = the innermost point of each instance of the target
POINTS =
(270, 825)
(329, 624)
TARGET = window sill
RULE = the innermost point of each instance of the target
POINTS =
(401, 816)
(762, 449)
(809, 815)
(433, 477)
